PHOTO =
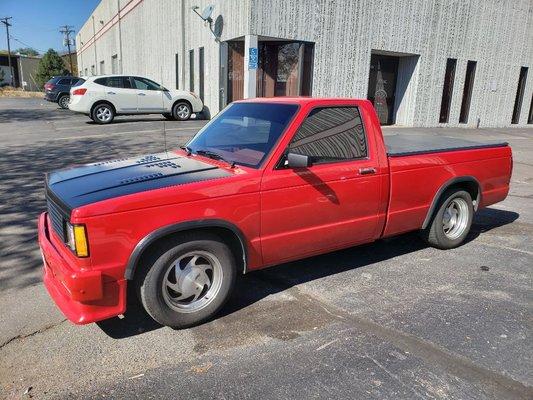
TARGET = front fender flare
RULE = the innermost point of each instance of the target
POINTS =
(145, 242)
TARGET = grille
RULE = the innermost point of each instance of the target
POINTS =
(58, 221)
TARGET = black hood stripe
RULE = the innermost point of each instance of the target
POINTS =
(75, 187)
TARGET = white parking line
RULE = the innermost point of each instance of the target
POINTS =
(495, 246)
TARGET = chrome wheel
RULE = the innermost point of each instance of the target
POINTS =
(63, 102)
(103, 114)
(192, 281)
(183, 111)
(455, 218)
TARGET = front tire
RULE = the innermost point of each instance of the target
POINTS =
(63, 101)
(103, 114)
(181, 111)
(451, 224)
(187, 279)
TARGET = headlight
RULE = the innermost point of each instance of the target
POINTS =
(77, 239)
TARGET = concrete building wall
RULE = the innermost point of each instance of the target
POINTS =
(496, 34)
(151, 36)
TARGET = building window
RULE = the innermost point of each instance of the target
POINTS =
(191, 70)
(467, 91)
(201, 72)
(85, 71)
(447, 90)
(92, 70)
(114, 64)
(331, 134)
(530, 117)
(177, 72)
(519, 95)
(102, 68)
(285, 69)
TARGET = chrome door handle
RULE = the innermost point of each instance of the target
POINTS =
(367, 171)
(111, 93)
(141, 94)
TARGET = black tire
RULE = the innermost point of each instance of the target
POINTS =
(436, 233)
(181, 111)
(63, 101)
(169, 117)
(108, 114)
(161, 262)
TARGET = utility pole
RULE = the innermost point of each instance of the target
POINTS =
(66, 30)
(5, 21)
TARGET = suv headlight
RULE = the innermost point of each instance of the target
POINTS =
(77, 239)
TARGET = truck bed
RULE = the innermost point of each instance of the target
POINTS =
(408, 144)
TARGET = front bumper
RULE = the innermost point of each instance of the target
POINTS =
(83, 296)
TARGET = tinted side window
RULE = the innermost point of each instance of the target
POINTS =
(115, 81)
(145, 84)
(64, 81)
(331, 134)
(126, 81)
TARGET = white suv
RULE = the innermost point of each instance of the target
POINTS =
(103, 97)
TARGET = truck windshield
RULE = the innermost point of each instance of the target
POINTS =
(244, 133)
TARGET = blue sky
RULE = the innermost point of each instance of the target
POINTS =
(36, 22)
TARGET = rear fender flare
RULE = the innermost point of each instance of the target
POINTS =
(443, 188)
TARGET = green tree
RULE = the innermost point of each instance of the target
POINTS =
(50, 65)
(27, 51)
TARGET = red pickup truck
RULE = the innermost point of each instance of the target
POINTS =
(265, 182)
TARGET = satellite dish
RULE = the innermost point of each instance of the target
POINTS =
(206, 14)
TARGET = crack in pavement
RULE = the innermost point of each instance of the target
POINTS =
(500, 386)
(38, 331)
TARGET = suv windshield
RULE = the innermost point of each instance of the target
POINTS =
(244, 133)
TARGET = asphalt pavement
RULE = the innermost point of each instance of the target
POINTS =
(394, 319)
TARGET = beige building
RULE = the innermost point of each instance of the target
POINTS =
(421, 62)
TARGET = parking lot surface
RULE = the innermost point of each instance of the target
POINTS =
(393, 319)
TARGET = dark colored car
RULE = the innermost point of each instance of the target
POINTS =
(57, 89)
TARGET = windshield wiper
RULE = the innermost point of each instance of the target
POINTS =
(187, 149)
(214, 156)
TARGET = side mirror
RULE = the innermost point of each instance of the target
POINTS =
(298, 161)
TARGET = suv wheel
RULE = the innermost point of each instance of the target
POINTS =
(181, 111)
(187, 279)
(452, 222)
(103, 114)
(63, 101)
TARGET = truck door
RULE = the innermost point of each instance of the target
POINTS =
(331, 204)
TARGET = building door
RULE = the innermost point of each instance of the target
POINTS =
(235, 70)
(382, 86)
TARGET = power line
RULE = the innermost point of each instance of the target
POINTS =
(26, 44)
(5, 21)
(66, 30)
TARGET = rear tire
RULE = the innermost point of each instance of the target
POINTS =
(181, 111)
(187, 279)
(451, 223)
(103, 114)
(63, 101)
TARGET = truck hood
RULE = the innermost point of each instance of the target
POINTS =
(78, 186)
